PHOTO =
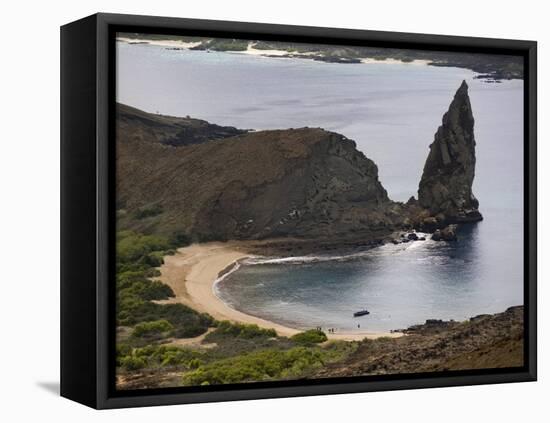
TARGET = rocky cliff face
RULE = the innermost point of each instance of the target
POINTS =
(445, 189)
(304, 182)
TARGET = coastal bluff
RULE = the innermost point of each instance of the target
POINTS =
(202, 182)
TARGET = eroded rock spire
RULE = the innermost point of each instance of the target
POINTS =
(446, 185)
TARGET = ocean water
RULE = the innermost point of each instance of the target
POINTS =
(392, 112)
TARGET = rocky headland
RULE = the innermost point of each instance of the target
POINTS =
(304, 188)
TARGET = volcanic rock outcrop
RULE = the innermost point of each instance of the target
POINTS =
(445, 189)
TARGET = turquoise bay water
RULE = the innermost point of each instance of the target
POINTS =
(392, 112)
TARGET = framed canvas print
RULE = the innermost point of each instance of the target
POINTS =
(256, 211)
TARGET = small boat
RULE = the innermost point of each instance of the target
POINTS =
(361, 313)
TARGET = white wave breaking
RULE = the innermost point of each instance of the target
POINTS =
(387, 248)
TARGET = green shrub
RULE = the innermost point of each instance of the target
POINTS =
(257, 366)
(153, 356)
(208, 366)
(122, 350)
(195, 363)
(242, 330)
(126, 278)
(222, 44)
(132, 363)
(131, 247)
(187, 322)
(149, 211)
(147, 290)
(155, 327)
(127, 304)
(154, 259)
(133, 266)
(312, 336)
(151, 273)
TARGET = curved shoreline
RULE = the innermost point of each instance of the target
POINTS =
(193, 272)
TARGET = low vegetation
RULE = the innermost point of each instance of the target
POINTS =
(312, 336)
(154, 328)
(257, 366)
(238, 330)
(208, 367)
(157, 356)
(137, 257)
(268, 364)
(223, 44)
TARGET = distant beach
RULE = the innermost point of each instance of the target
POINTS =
(162, 43)
(251, 51)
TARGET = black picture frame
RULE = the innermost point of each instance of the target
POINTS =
(87, 211)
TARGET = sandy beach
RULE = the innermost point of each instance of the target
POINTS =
(193, 271)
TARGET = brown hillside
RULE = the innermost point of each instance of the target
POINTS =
(304, 182)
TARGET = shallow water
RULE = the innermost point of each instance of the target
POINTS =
(392, 112)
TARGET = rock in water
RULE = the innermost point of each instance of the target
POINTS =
(446, 184)
(412, 236)
(449, 233)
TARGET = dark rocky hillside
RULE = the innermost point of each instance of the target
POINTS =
(169, 130)
(304, 182)
(187, 177)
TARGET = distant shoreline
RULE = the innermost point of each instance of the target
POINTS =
(193, 272)
(484, 67)
(160, 43)
(251, 51)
